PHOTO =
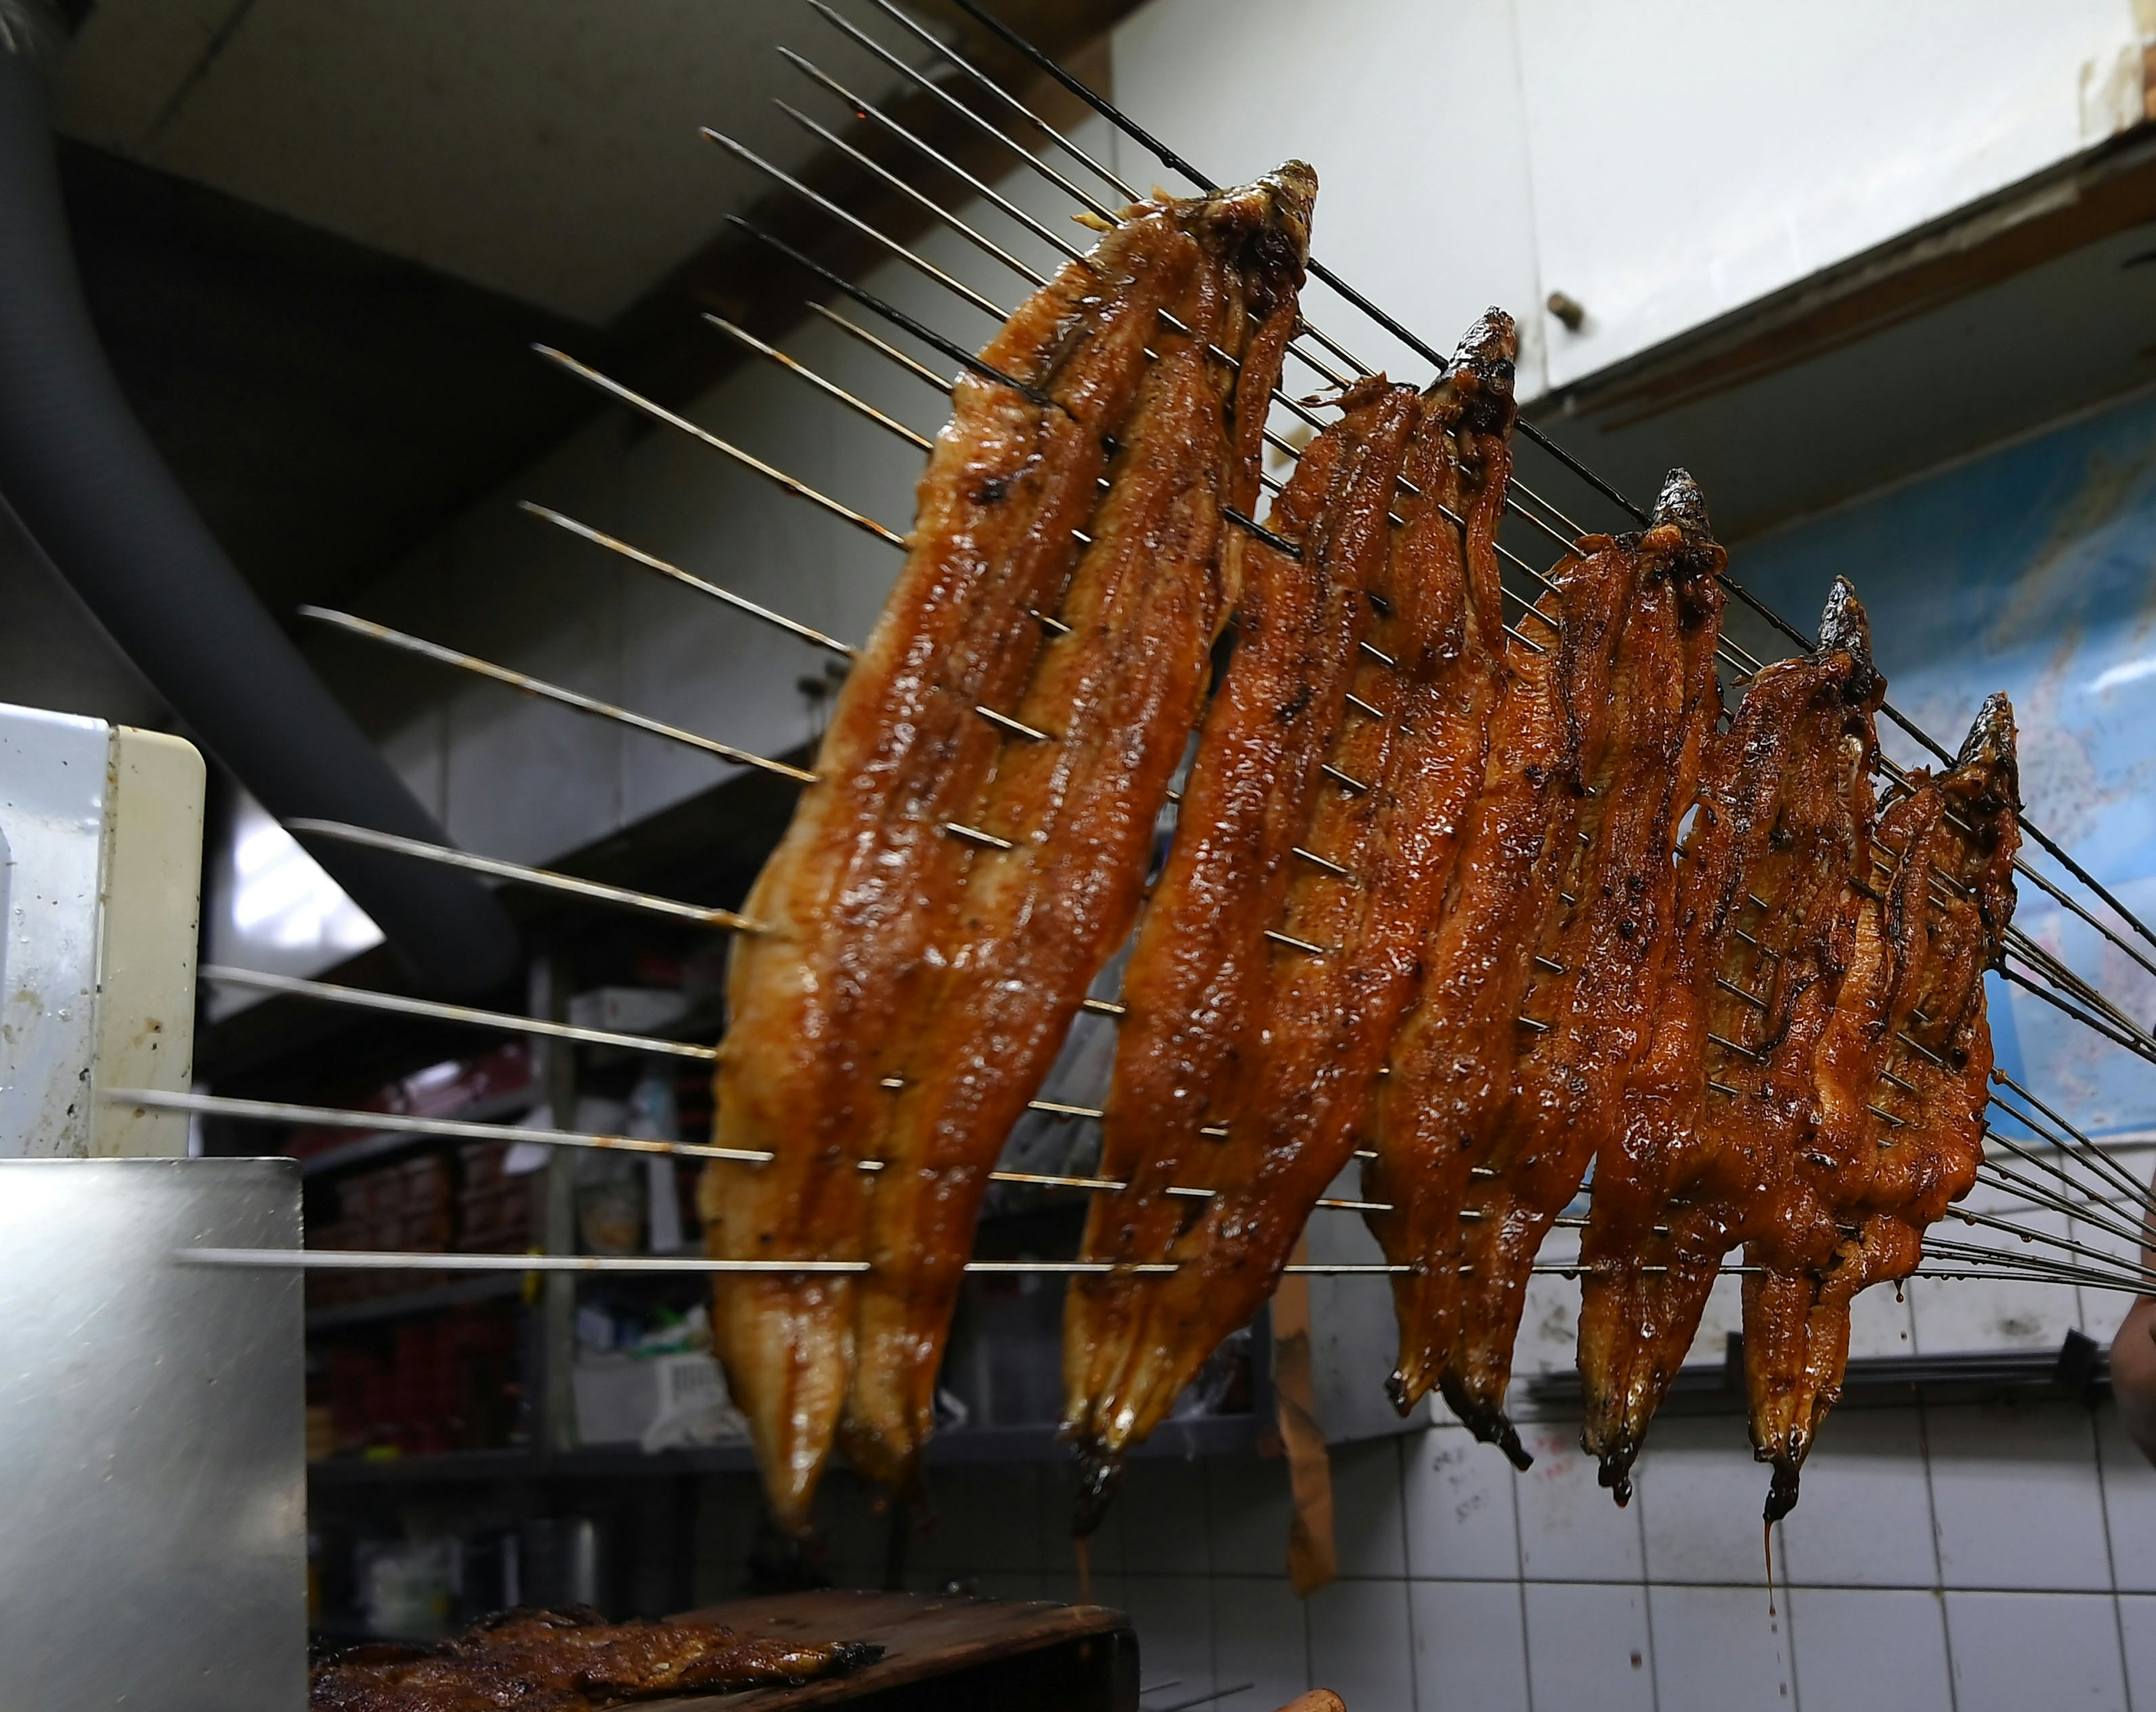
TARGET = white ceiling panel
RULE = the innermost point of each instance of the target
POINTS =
(544, 148)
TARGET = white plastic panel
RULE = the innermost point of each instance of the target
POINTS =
(52, 790)
(153, 893)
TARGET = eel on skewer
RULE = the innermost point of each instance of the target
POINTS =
(1064, 825)
(1453, 1058)
(1193, 994)
(1713, 1110)
(1904, 1071)
(1590, 1001)
(1279, 1061)
(850, 904)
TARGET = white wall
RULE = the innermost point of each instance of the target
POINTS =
(1662, 162)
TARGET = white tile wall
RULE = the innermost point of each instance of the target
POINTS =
(1458, 1508)
(1470, 1651)
(1870, 1647)
(2014, 1650)
(1569, 1529)
(1865, 1517)
(1944, 1556)
(1719, 1649)
(2017, 1497)
(1588, 1645)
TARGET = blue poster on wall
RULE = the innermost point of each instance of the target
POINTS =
(2030, 568)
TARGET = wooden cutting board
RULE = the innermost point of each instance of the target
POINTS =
(941, 1654)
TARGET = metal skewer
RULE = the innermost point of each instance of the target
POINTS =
(1168, 157)
(365, 998)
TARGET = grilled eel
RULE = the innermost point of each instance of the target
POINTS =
(1313, 842)
(854, 908)
(1050, 876)
(569, 1661)
(1193, 994)
(1589, 1003)
(1903, 1073)
(1711, 1110)
(1455, 1058)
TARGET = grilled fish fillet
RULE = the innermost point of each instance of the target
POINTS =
(1455, 1055)
(1193, 994)
(1323, 807)
(1711, 1110)
(1903, 1073)
(569, 1661)
(856, 904)
(1589, 1001)
(1066, 819)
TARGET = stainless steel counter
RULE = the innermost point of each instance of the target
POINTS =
(152, 1471)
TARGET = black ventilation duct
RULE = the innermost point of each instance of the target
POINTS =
(78, 471)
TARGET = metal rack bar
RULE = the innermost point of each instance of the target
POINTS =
(365, 998)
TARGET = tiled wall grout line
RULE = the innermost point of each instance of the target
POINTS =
(1400, 1508)
(1647, 1596)
(1790, 1642)
(2110, 1552)
(1520, 1570)
(1938, 1561)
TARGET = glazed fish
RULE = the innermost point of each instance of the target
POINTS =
(1455, 1057)
(1713, 1111)
(1058, 842)
(569, 1661)
(1904, 1069)
(1256, 1088)
(1589, 1001)
(867, 894)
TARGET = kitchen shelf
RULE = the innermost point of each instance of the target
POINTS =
(487, 1286)
(372, 1147)
(2080, 1367)
(1208, 1435)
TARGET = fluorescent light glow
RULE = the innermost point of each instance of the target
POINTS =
(281, 898)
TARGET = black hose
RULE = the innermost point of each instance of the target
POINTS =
(86, 481)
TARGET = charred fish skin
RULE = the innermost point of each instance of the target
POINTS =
(847, 905)
(1598, 965)
(1904, 1074)
(1382, 832)
(1031, 921)
(1702, 1144)
(1192, 991)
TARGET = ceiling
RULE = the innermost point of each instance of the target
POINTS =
(318, 237)
(543, 149)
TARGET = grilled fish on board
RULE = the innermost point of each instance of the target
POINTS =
(1903, 1073)
(569, 1661)
(862, 900)
(1711, 1111)
(1050, 884)
(1286, 1062)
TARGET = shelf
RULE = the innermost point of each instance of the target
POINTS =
(374, 1147)
(2079, 1368)
(487, 1286)
(1211, 1436)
